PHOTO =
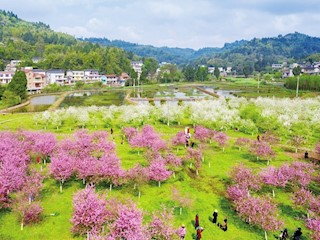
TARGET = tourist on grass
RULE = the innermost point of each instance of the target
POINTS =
(224, 226)
(284, 234)
(199, 232)
(182, 232)
(297, 234)
(215, 216)
(196, 221)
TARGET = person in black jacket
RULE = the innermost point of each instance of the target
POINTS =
(297, 234)
(215, 216)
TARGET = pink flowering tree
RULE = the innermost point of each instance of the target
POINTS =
(260, 211)
(128, 224)
(129, 132)
(28, 213)
(148, 138)
(183, 200)
(138, 175)
(245, 178)
(109, 168)
(89, 212)
(242, 142)
(196, 156)
(179, 140)
(275, 177)
(315, 204)
(202, 134)
(262, 150)
(302, 197)
(32, 185)
(173, 162)
(62, 167)
(297, 141)
(158, 171)
(301, 173)
(270, 138)
(314, 226)
(236, 192)
(41, 143)
(222, 139)
(161, 225)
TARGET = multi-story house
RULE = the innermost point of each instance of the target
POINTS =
(110, 79)
(75, 76)
(137, 67)
(91, 75)
(57, 76)
(6, 76)
(36, 79)
(13, 65)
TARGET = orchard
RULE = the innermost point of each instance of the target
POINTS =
(65, 175)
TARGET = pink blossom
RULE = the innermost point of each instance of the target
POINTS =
(89, 212)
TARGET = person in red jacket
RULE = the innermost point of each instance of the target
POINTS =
(199, 233)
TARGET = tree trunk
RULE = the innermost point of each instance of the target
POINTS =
(268, 162)
(41, 168)
(296, 150)
(273, 193)
(134, 186)
(61, 186)
(190, 166)
(139, 194)
(197, 172)
(223, 149)
(159, 183)
(174, 175)
(177, 149)
(83, 181)
(110, 187)
(202, 159)
(180, 211)
(21, 226)
(265, 235)
(209, 164)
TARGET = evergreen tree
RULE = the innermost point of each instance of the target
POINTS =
(18, 85)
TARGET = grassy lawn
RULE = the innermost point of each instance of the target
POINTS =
(207, 191)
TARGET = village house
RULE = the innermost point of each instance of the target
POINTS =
(36, 79)
(6, 76)
(13, 66)
(75, 76)
(91, 75)
(57, 76)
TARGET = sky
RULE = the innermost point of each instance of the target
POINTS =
(174, 23)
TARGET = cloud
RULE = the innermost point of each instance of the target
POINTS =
(175, 23)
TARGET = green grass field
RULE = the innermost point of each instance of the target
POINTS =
(207, 191)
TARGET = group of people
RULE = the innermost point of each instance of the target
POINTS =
(285, 235)
(199, 229)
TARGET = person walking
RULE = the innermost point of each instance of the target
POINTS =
(182, 232)
(199, 232)
(215, 216)
(196, 221)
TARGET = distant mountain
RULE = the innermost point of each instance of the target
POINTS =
(257, 53)
(162, 54)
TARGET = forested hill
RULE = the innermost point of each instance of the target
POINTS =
(162, 54)
(28, 41)
(256, 53)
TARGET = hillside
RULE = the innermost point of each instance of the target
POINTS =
(24, 40)
(256, 53)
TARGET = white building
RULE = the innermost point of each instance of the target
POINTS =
(56, 76)
(13, 65)
(91, 75)
(75, 76)
(6, 76)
